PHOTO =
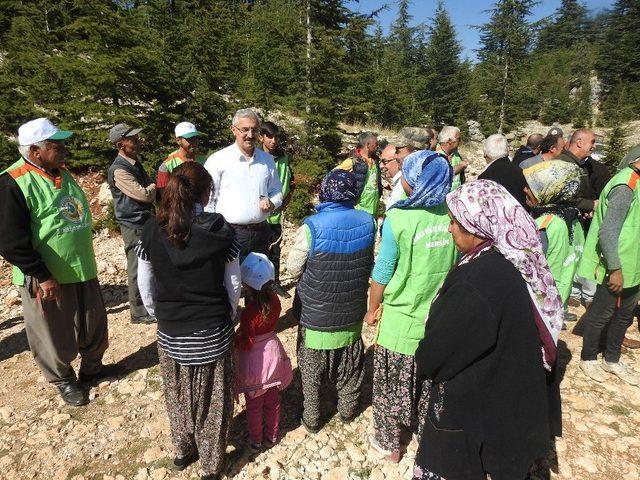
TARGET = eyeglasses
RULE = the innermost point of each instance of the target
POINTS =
(245, 130)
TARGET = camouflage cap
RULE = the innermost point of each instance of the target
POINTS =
(415, 137)
(555, 132)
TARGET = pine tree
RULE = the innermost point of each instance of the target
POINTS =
(504, 41)
(615, 148)
(619, 61)
(445, 87)
(568, 29)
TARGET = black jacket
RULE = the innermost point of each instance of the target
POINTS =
(510, 176)
(586, 193)
(522, 154)
(190, 294)
(488, 408)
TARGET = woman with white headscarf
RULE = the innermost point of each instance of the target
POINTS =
(490, 337)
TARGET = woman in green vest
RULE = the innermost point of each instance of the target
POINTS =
(612, 258)
(416, 253)
(552, 197)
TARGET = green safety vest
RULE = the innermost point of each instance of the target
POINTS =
(370, 196)
(426, 254)
(60, 223)
(454, 160)
(284, 173)
(593, 264)
(173, 161)
(562, 255)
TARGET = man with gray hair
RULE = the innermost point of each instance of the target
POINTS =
(501, 170)
(448, 142)
(45, 233)
(246, 185)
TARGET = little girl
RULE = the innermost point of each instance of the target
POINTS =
(262, 365)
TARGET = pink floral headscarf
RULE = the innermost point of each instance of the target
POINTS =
(485, 209)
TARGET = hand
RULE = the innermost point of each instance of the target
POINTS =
(49, 290)
(373, 317)
(370, 318)
(463, 164)
(265, 204)
(616, 281)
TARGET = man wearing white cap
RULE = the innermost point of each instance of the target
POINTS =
(188, 139)
(45, 232)
(133, 196)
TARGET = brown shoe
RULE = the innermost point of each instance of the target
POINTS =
(630, 343)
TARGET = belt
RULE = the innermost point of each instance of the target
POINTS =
(250, 226)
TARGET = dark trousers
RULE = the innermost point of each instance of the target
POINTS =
(253, 238)
(131, 236)
(57, 333)
(605, 310)
(274, 251)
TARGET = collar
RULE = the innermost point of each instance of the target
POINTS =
(242, 156)
(396, 178)
(492, 162)
(130, 160)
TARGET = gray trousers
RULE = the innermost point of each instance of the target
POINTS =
(131, 236)
(57, 334)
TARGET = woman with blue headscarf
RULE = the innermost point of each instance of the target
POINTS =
(416, 253)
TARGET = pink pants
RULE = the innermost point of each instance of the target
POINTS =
(265, 406)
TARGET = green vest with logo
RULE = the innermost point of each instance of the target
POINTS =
(284, 173)
(593, 264)
(60, 223)
(562, 255)
(426, 254)
(370, 196)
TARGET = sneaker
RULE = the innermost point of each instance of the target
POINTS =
(574, 302)
(570, 317)
(144, 320)
(620, 370)
(591, 368)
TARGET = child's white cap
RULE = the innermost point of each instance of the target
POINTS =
(256, 270)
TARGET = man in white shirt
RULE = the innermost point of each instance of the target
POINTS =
(246, 186)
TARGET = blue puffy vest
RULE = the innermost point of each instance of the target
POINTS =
(333, 289)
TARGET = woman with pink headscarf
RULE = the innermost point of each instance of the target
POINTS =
(489, 342)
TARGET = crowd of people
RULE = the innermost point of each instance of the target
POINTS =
(468, 292)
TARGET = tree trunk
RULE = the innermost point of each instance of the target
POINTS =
(503, 102)
(308, 66)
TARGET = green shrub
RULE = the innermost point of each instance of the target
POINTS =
(300, 204)
(108, 221)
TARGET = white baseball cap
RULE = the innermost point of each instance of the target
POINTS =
(39, 130)
(256, 270)
(186, 130)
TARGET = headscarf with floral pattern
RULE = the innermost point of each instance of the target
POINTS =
(485, 209)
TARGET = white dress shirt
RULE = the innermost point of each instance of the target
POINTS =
(239, 182)
(397, 191)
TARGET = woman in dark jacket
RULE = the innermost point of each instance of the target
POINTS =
(189, 278)
(490, 336)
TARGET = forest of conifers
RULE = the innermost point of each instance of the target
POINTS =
(90, 64)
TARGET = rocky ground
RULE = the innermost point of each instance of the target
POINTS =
(123, 433)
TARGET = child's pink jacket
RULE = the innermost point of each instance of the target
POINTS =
(266, 365)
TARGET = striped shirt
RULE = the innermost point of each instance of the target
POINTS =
(198, 348)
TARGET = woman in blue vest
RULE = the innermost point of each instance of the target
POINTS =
(333, 256)
(415, 255)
